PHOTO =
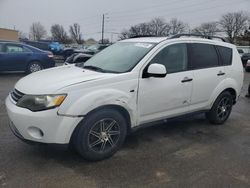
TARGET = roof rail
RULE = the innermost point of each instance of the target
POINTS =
(139, 36)
(197, 35)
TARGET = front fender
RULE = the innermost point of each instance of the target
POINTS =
(98, 98)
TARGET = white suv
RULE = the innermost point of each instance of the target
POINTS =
(129, 84)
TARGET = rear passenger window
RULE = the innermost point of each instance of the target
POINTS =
(225, 54)
(204, 56)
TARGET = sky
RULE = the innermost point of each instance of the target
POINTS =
(119, 14)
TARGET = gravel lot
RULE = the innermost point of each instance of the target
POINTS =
(184, 153)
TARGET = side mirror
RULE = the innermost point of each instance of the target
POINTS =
(156, 70)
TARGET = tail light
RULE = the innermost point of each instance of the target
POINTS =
(50, 55)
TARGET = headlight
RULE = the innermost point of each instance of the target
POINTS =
(41, 102)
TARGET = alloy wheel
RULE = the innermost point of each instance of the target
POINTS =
(35, 67)
(104, 135)
(224, 108)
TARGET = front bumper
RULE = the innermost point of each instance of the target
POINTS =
(45, 126)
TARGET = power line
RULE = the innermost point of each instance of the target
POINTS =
(181, 10)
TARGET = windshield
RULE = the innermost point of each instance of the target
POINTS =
(120, 57)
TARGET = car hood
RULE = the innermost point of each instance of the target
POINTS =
(50, 80)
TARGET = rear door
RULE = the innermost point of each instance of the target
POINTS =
(16, 57)
(208, 73)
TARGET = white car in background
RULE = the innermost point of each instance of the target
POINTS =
(128, 85)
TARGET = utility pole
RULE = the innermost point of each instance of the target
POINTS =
(103, 27)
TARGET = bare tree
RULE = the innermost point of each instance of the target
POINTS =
(209, 28)
(159, 27)
(136, 30)
(75, 32)
(22, 35)
(156, 27)
(37, 31)
(177, 26)
(234, 24)
(59, 34)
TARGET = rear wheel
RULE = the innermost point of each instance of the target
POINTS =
(221, 109)
(34, 67)
(101, 135)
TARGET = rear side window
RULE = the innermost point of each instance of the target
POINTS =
(203, 56)
(226, 55)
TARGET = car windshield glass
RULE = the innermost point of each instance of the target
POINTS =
(120, 57)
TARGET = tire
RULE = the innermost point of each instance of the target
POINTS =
(100, 135)
(34, 67)
(249, 89)
(221, 109)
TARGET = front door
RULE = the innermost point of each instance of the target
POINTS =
(169, 96)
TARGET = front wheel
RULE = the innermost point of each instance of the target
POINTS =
(101, 135)
(221, 109)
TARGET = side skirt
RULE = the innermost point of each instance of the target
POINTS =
(165, 120)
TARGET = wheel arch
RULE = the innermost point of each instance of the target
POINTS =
(32, 61)
(232, 92)
(124, 112)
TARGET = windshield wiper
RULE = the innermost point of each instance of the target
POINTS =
(91, 67)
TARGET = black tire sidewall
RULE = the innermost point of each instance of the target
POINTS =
(81, 142)
(212, 114)
(249, 89)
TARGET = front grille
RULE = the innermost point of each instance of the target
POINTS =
(16, 95)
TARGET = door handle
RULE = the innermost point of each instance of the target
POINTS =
(186, 79)
(221, 73)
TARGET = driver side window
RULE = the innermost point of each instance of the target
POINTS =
(173, 57)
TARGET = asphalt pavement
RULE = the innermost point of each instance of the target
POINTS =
(183, 153)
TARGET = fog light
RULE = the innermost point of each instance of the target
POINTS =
(35, 132)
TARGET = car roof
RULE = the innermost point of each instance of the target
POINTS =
(184, 39)
(146, 39)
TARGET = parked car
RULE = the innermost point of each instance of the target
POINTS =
(241, 52)
(245, 58)
(94, 106)
(67, 52)
(91, 50)
(55, 47)
(16, 56)
(247, 67)
(95, 48)
(77, 58)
